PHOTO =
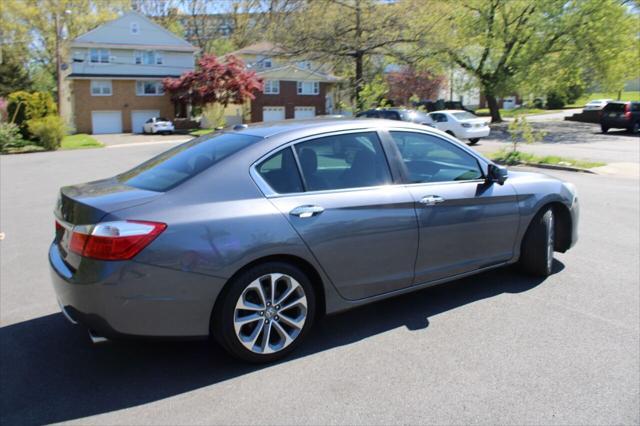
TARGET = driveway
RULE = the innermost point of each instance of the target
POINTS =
(118, 139)
(498, 348)
(618, 148)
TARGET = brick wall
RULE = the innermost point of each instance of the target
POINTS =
(289, 99)
(123, 98)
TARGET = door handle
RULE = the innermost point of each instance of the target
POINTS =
(431, 200)
(304, 212)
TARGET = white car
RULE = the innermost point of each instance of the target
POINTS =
(596, 104)
(461, 124)
(158, 125)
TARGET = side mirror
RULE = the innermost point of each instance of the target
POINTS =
(497, 174)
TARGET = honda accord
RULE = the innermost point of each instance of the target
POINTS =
(250, 235)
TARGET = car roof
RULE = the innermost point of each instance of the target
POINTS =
(321, 125)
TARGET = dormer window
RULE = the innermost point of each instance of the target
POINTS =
(305, 65)
(135, 28)
(148, 57)
(264, 62)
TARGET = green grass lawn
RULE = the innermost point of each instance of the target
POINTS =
(79, 141)
(200, 132)
(510, 113)
(512, 158)
(625, 96)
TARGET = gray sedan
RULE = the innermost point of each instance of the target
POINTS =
(250, 235)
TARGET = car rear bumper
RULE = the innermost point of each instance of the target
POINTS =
(472, 133)
(131, 299)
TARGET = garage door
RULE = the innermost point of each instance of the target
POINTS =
(272, 113)
(139, 117)
(106, 122)
(304, 112)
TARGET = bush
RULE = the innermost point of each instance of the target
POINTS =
(213, 116)
(10, 136)
(48, 131)
(555, 100)
(25, 106)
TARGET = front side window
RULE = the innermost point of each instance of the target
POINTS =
(272, 87)
(149, 88)
(175, 166)
(352, 160)
(100, 87)
(99, 56)
(308, 87)
(428, 158)
(148, 57)
(281, 172)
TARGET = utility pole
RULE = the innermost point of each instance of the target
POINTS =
(56, 21)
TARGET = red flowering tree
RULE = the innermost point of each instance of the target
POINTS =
(409, 82)
(215, 82)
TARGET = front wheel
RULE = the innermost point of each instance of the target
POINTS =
(536, 255)
(635, 128)
(604, 128)
(265, 313)
(473, 141)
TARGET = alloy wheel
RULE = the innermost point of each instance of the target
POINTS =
(270, 313)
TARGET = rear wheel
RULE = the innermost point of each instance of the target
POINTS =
(265, 313)
(536, 257)
(473, 141)
(604, 128)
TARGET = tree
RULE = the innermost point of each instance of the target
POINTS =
(343, 31)
(13, 75)
(509, 45)
(215, 82)
(408, 83)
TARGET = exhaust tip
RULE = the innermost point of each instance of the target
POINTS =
(96, 338)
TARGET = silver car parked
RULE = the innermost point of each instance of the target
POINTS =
(248, 236)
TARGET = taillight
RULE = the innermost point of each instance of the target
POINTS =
(627, 111)
(120, 240)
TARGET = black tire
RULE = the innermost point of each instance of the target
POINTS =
(222, 320)
(473, 141)
(604, 128)
(449, 132)
(536, 255)
(635, 128)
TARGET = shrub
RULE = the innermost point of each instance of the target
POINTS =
(48, 131)
(24, 106)
(555, 100)
(213, 116)
(10, 136)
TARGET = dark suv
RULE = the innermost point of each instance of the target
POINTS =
(620, 115)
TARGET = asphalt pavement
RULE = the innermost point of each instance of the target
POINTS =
(495, 348)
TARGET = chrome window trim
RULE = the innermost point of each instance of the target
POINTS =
(270, 193)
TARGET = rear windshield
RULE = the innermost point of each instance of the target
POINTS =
(463, 115)
(615, 107)
(175, 166)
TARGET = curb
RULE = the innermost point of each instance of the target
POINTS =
(551, 167)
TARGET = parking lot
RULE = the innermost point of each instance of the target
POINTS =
(495, 348)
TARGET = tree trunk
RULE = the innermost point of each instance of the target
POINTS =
(494, 109)
(358, 83)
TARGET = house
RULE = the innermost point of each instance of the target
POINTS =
(292, 88)
(117, 71)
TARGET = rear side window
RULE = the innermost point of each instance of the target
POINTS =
(175, 166)
(352, 160)
(614, 107)
(281, 172)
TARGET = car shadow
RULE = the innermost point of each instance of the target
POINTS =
(50, 372)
